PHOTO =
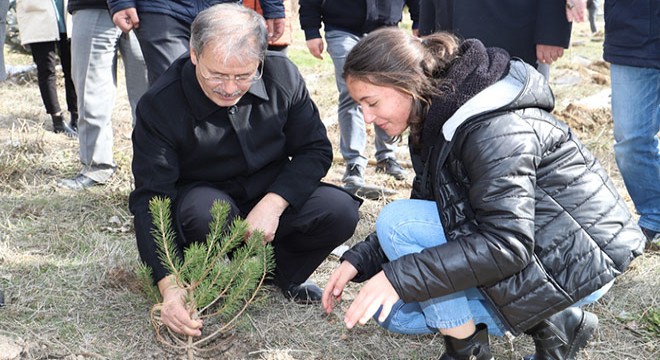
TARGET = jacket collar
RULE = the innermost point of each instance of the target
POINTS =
(497, 96)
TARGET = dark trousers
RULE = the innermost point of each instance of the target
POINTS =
(162, 40)
(592, 7)
(45, 55)
(303, 239)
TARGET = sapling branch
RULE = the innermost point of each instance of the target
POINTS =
(221, 275)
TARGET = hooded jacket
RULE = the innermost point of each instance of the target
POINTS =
(531, 217)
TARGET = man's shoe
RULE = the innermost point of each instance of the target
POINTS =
(391, 167)
(354, 175)
(370, 192)
(652, 239)
(562, 335)
(78, 183)
(305, 293)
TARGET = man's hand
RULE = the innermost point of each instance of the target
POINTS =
(265, 216)
(377, 292)
(575, 10)
(174, 313)
(315, 47)
(335, 286)
(275, 29)
(126, 19)
(547, 54)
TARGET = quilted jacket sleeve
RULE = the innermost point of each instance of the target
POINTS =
(493, 180)
(367, 257)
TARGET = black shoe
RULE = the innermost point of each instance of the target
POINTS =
(78, 183)
(60, 127)
(74, 121)
(562, 335)
(305, 293)
(475, 347)
(354, 175)
(370, 192)
(652, 239)
(391, 167)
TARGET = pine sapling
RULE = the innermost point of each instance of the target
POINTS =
(221, 276)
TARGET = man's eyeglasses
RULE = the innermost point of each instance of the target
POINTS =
(240, 80)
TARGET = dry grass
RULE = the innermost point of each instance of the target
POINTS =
(67, 259)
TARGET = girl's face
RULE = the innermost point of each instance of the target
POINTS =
(386, 107)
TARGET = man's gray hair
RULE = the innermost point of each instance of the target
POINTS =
(233, 29)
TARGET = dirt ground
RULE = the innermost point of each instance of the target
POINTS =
(68, 260)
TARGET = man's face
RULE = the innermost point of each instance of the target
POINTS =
(224, 82)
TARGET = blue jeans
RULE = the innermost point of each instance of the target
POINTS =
(352, 129)
(636, 113)
(409, 226)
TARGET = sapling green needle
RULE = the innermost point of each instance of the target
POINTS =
(221, 275)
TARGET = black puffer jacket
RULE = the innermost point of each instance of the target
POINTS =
(532, 219)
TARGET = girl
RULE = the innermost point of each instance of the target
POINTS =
(512, 224)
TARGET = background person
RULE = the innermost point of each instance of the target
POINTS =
(512, 225)
(163, 26)
(44, 27)
(344, 24)
(536, 31)
(232, 122)
(632, 47)
(4, 7)
(95, 45)
(281, 44)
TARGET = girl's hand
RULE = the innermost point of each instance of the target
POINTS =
(335, 286)
(375, 293)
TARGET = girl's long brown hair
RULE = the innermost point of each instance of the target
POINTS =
(393, 58)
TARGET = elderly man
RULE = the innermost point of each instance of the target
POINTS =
(232, 122)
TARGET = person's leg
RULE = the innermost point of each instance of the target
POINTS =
(93, 69)
(193, 212)
(64, 47)
(384, 148)
(135, 69)
(4, 7)
(592, 8)
(162, 40)
(353, 135)
(636, 114)
(305, 237)
(544, 69)
(409, 226)
(44, 55)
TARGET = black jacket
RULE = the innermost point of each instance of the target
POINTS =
(355, 16)
(632, 33)
(74, 5)
(272, 140)
(516, 26)
(531, 217)
(186, 10)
